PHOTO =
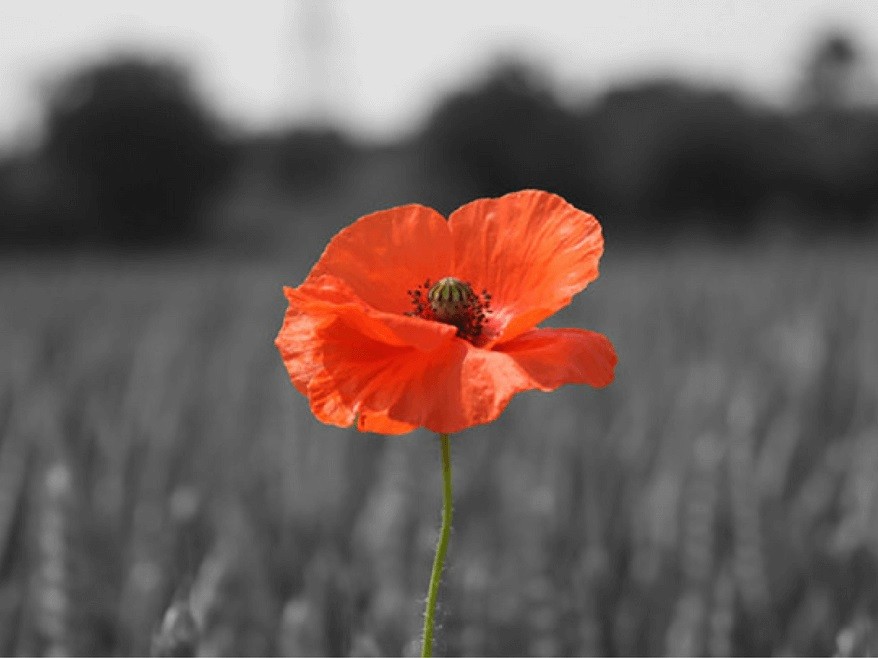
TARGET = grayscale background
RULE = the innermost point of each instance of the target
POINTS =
(166, 167)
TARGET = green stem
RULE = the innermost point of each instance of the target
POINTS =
(441, 549)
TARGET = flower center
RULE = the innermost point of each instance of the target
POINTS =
(453, 302)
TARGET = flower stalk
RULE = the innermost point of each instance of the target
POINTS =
(441, 549)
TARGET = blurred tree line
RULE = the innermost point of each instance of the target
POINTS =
(131, 156)
(665, 155)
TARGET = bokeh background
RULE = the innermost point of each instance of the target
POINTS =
(166, 167)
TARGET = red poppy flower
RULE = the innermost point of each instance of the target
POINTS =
(410, 320)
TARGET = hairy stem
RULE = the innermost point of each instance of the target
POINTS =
(441, 549)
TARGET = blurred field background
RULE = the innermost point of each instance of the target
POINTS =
(156, 466)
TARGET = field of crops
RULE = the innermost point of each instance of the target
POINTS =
(720, 498)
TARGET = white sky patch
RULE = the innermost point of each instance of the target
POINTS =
(378, 66)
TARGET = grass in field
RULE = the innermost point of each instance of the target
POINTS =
(720, 498)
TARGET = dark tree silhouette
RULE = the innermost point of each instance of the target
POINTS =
(505, 134)
(838, 126)
(141, 150)
(673, 154)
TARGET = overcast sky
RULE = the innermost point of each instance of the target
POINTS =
(377, 66)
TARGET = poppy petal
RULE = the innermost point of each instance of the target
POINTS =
(359, 376)
(553, 357)
(383, 255)
(389, 389)
(298, 342)
(329, 296)
(470, 389)
(318, 307)
(392, 389)
(531, 250)
(350, 346)
(379, 423)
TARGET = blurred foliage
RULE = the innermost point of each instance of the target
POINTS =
(506, 134)
(131, 156)
(662, 155)
(677, 154)
(141, 148)
(840, 155)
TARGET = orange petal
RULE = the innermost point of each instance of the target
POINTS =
(325, 307)
(298, 341)
(359, 376)
(395, 389)
(327, 295)
(379, 423)
(472, 387)
(553, 357)
(385, 254)
(531, 250)
(390, 389)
